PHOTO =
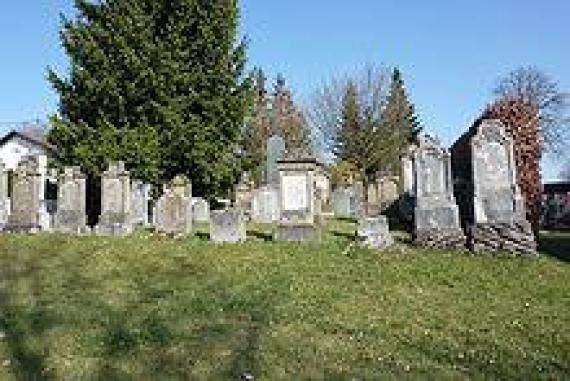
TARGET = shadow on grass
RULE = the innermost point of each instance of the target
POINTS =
(556, 244)
(202, 236)
(344, 235)
(260, 235)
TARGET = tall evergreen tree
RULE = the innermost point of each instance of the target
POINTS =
(157, 83)
(399, 123)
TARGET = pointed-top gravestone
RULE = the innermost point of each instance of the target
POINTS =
(26, 197)
(115, 216)
(275, 152)
(70, 216)
(173, 211)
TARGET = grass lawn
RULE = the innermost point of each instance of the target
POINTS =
(147, 307)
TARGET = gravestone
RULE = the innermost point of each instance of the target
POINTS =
(322, 182)
(200, 210)
(407, 199)
(345, 202)
(4, 200)
(243, 193)
(388, 191)
(173, 209)
(275, 152)
(374, 232)
(26, 198)
(115, 216)
(265, 205)
(140, 196)
(491, 205)
(227, 226)
(71, 216)
(436, 219)
(296, 200)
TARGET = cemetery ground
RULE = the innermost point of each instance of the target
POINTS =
(149, 307)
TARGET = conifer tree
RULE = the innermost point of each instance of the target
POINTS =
(399, 122)
(159, 84)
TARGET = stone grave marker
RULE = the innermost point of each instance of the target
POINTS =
(173, 210)
(437, 221)
(71, 214)
(4, 200)
(201, 210)
(275, 152)
(227, 226)
(140, 196)
(243, 193)
(26, 198)
(115, 216)
(374, 232)
(265, 205)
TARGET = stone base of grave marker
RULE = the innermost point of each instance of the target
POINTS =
(227, 226)
(296, 232)
(71, 222)
(516, 238)
(374, 232)
(114, 228)
(440, 239)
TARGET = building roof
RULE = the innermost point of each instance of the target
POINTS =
(558, 187)
(17, 134)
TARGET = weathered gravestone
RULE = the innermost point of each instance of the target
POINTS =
(346, 202)
(275, 152)
(243, 193)
(297, 200)
(173, 209)
(115, 216)
(491, 206)
(4, 207)
(200, 210)
(265, 205)
(374, 232)
(323, 184)
(436, 222)
(26, 198)
(71, 216)
(140, 195)
(407, 200)
(227, 226)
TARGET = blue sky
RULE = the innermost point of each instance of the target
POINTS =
(450, 52)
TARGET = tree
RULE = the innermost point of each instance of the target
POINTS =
(531, 86)
(399, 120)
(159, 84)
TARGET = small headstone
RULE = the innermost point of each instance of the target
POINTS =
(227, 226)
(436, 219)
(200, 210)
(243, 193)
(265, 205)
(346, 203)
(115, 216)
(173, 209)
(140, 195)
(374, 232)
(26, 198)
(70, 216)
(275, 152)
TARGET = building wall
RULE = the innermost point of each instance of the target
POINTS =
(13, 150)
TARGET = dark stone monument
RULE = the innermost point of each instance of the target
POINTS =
(275, 152)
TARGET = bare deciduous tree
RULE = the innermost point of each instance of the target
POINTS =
(530, 85)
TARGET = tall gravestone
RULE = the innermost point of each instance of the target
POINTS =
(275, 153)
(243, 193)
(115, 216)
(491, 205)
(407, 199)
(173, 210)
(140, 195)
(71, 215)
(26, 197)
(4, 207)
(436, 222)
(297, 200)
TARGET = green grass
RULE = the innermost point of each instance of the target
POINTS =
(147, 307)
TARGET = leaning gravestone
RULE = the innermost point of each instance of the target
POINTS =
(275, 152)
(200, 210)
(173, 210)
(26, 198)
(140, 195)
(265, 205)
(115, 216)
(297, 200)
(227, 226)
(70, 216)
(491, 204)
(374, 232)
(4, 207)
(437, 222)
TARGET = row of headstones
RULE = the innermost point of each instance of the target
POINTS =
(479, 205)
